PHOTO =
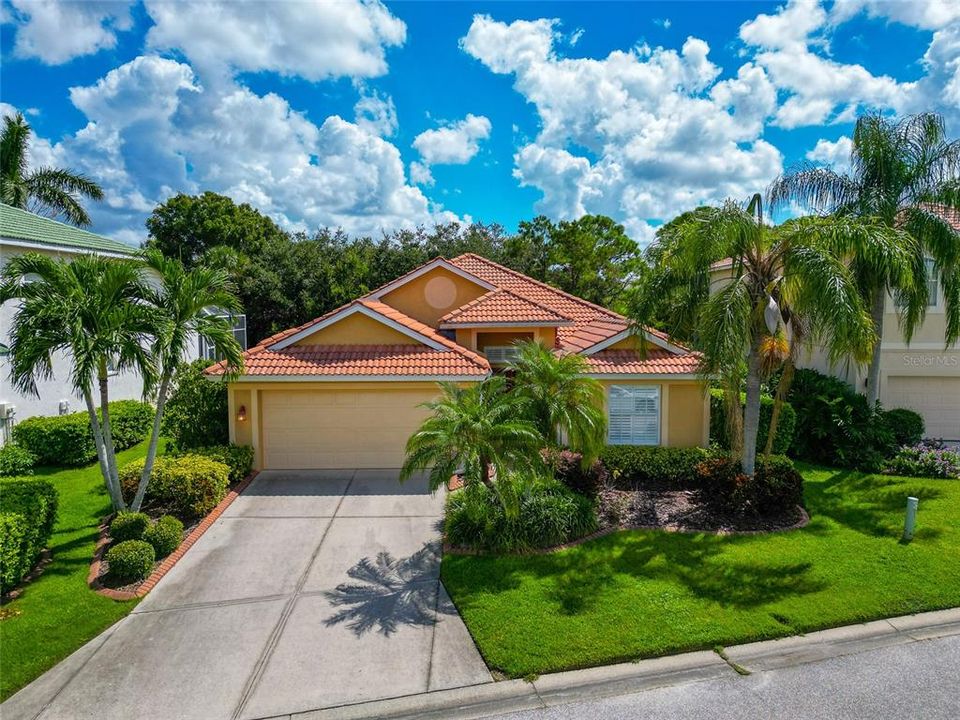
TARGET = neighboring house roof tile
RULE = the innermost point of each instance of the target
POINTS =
(630, 362)
(18, 224)
(951, 215)
(503, 307)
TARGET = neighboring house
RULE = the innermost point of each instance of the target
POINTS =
(346, 390)
(23, 232)
(922, 375)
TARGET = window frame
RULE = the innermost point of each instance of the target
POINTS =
(238, 322)
(636, 391)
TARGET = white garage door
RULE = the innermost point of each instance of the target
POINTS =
(339, 428)
(937, 399)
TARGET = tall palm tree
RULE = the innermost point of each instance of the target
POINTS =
(477, 428)
(745, 328)
(90, 308)
(185, 302)
(52, 191)
(564, 404)
(900, 171)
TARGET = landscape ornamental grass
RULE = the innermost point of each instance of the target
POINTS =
(28, 512)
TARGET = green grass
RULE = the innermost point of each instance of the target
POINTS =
(644, 593)
(57, 613)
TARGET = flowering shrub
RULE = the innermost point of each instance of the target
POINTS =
(928, 458)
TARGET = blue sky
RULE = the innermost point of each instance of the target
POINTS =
(376, 116)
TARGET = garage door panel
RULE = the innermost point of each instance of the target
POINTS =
(937, 399)
(339, 428)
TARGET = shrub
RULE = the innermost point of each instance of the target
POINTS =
(131, 560)
(786, 425)
(28, 512)
(15, 460)
(549, 514)
(907, 426)
(239, 458)
(196, 413)
(836, 425)
(128, 526)
(929, 458)
(187, 486)
(164, 535)
(635, 465)
(775, 489)
(567, 468)
(68, 439)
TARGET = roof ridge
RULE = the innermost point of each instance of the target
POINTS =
(88, 235)
(516, 273)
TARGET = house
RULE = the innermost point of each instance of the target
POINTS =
(922, 375)
(23, 232)
(346, 390)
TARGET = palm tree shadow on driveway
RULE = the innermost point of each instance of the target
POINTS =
(388, 593)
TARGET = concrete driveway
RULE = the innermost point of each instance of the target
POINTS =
(315, 589)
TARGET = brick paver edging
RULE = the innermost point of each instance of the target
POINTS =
(93, 577)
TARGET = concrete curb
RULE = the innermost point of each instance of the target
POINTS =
(479, 701)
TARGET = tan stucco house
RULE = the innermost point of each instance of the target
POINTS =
(345, 390)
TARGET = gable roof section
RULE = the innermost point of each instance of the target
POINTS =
(437, 357)
(618, 363)
(502, 307)
(36, 231)
(438, 262)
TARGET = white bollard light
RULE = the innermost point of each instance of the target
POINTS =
(911, 519)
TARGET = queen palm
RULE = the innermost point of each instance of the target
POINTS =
(51, 191)
(900, 171)
(745, 327)
(564, 404)
(480, 429)
(187, 303)
(90, 309)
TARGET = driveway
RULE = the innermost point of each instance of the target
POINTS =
(315, 589)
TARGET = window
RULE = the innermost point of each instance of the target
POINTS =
(239, 324)
(931, 282)
(501, 354)
(634, 415)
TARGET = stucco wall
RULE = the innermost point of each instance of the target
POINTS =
(357, 329)
(432, 295)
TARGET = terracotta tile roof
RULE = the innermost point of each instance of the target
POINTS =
(629, 362)
(353, 360)
(503, 307)
(951, 215)
(265, 359)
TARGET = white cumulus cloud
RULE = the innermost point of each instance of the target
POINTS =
(56, 32)
(453, 144)
(833, 154)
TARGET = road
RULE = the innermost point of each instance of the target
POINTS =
(917, 680)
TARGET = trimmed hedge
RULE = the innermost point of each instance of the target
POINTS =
(164, 535)
(131, 560)
(548, 515)
(907, 426)
(196, 413)
(28, 512)
(775, 489)
(68, 439)
(129, 526)
(785, 426)
(188, 486)
(634, 465)
(15, 460)
(239, 458)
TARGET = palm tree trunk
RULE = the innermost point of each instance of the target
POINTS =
(783, 387)
(116, 498)
(873, 374)
(154, 441)
(109, 451)
(751, 412)
(485, 472)
(733, 413)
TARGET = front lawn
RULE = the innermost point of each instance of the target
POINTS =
(643, 593)
(57, 613)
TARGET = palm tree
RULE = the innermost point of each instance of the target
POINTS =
(564, 404)
(901, 170)
(745, 328)
(185, 304)
(475, 429)
(90, 308)
(53, 191)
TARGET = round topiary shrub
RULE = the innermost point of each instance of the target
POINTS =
(129, 526)
(906, 425)
(131, 560)
(164, 535)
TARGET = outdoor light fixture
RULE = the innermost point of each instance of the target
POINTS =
(242, 413)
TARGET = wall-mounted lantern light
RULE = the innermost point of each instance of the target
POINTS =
(242, 413)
